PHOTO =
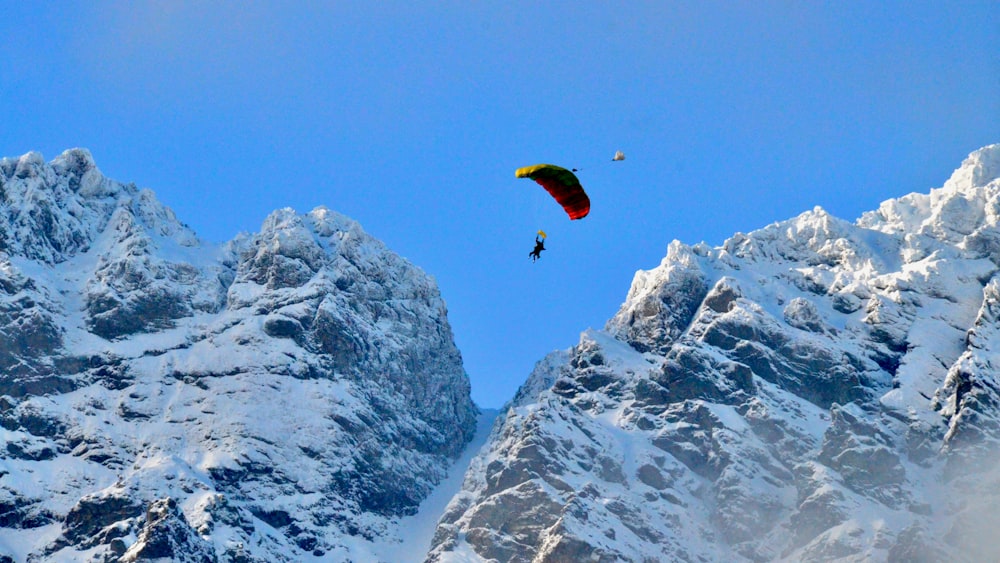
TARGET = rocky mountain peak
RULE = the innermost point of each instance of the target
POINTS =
(53, 211)
(814, 390)
(979, 170)
(963, 213)
(281, 397)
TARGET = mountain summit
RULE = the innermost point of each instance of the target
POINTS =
(815, 390)
(281, 397)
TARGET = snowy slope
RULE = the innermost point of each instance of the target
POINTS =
(286, 396)
(816, 390)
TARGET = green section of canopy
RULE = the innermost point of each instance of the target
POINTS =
(549, 171)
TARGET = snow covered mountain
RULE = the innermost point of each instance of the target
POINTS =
(286, 396)
(816, 390)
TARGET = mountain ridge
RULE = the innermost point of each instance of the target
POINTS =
(814, 390)
(285, 396)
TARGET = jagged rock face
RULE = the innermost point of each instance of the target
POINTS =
(815, 390)
(167, 535)
(276, 398)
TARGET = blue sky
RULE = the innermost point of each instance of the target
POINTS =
(411, 117)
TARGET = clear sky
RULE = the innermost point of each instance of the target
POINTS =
(411, 118)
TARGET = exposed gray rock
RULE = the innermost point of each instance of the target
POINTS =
(99, 518)
(166, 535)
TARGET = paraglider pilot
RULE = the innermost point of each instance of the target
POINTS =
(539, 247)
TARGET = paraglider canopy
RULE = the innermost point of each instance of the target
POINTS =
(562, 185)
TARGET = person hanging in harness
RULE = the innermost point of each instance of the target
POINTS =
(539, 247)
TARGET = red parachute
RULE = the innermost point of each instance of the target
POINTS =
(561, 184)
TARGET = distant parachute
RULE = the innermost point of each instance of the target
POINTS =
(619, 155)
(561, 184)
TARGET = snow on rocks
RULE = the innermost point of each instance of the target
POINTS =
(277, 398)
(814, 390)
